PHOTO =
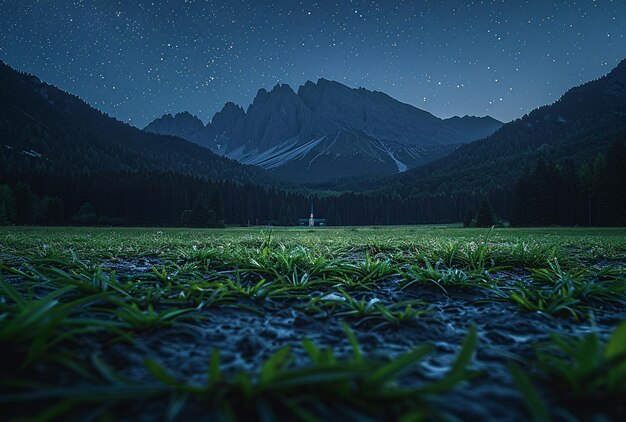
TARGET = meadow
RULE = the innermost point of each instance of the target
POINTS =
(355, 323)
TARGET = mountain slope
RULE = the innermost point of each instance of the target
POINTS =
(377, 114)
(51, 128)
(281, 127)
(581, 124)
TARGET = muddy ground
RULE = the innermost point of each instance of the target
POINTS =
(245, 339)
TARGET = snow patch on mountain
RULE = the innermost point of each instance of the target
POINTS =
(401, 166)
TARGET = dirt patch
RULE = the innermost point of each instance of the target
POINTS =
(245, 339)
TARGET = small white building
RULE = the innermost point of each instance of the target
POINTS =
(312, 221)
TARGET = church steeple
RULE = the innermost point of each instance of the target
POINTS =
(311, 219)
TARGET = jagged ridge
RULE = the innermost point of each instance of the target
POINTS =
(281, 129)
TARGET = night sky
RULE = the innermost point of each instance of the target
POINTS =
(139, 59)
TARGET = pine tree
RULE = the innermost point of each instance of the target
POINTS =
(23, 203)
(611, 200)
(8, 202)
(86, 215)
(469, 217)
(484, 216)
(4, 219)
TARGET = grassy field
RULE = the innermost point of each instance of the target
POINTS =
(412, 323)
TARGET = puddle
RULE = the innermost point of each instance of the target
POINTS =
(132, 265)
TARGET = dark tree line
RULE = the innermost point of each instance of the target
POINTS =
(547, 194)
(173, 199)
(594, 194)
(484, 217)
(18, 205)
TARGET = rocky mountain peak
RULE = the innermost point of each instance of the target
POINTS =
(227, 117)
(334, 120)
(183, 122)
(189, 118)
(260, 97)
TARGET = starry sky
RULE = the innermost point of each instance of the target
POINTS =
(137, 60)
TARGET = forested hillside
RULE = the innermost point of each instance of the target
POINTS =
(569, 134)
(60, 131)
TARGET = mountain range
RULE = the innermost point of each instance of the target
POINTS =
(60, 147)
(327, 130)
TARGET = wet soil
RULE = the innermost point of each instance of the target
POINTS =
(245, 339)
(505, 332)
